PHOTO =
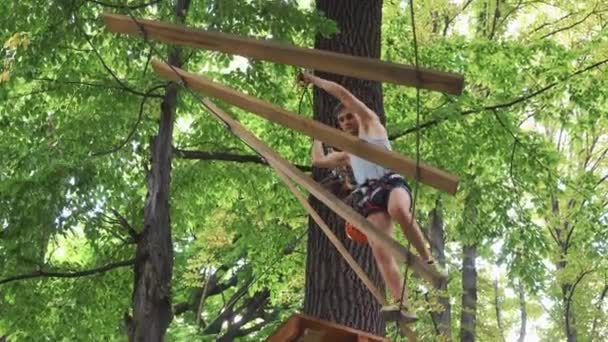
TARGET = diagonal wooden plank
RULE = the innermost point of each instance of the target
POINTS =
(327, 198)
(341, 249)
(331, 236)
(359, 67)
(428, 174)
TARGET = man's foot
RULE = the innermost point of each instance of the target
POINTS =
(392, 313)
(441, 270)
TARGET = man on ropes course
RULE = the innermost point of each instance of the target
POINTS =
(381, 195)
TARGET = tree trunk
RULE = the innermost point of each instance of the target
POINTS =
(561, 235)
(497, 305)
(333, 291)
(469, 294)
(436, 234)
(523, 312)
(599, 310)
(154, 256)
(571, 335)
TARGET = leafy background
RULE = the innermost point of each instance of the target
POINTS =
(79, 105)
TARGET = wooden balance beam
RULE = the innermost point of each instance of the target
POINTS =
(331, 201)
(359, 67)
(429, 175)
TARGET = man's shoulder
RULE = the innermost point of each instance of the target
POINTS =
(375, 130)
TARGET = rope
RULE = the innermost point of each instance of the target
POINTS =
(415, 43)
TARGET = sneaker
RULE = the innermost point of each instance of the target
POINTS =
(392, 313)
(441, 270)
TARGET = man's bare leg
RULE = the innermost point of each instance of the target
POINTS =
(399, 309)
(386, 262)
(398, 208)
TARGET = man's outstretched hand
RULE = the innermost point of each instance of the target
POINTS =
(305, 78)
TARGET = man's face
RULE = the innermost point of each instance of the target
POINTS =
(348, 122)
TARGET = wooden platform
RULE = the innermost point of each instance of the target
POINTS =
(303, 328)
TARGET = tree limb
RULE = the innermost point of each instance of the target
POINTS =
(571, 293)
(497, 309)
(599, 308)
(495, 19)
(448, 22)
(523, 312)
(545, 24)
(131, 7)
(134, 129)
(103, 63)
(126, 225)
(513, 102)
(573, 24)
(224, 156)
(76, 274)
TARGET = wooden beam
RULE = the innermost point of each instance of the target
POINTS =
(359, 67)
(378, 154)
(331, 236)
(327, 198)
(298, 323)
(288, 331)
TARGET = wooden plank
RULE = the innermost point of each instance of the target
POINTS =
(287, 332)
(359, 67)
(342, 250)
(338, 332)
(330, 235)
(378, 154)
(330, 200)
(310, 335)
(405, 330)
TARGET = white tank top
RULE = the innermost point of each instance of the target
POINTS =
(364, 169)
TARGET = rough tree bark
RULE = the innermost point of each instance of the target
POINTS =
(469, 294)
(154, 256)
(468, 317)
(436, 236)
(333, 291)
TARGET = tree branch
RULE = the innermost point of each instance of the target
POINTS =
(599, 308)
(513, 102)
(224, 156)
(571, 294)
(87, 84)
(523, 312)
(77, 274)
(545, 24)
(573, 24)
(599, 159)
(131, 7)
(498, 312)
(103, 63)
(495, 20)
(126, 225)
(520, 4)
(451, 20)
(134, 129)
(34, 92)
